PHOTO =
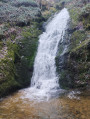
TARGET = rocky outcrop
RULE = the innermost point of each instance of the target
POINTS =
(73, 67)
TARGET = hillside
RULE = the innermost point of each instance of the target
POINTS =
(21, 24)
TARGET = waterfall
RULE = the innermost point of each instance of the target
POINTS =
(44, 80)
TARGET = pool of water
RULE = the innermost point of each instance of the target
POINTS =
(69, 105)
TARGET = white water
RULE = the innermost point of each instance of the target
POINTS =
(44, 81)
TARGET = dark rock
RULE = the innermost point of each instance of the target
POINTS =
(88, 46)
(25, 4)
(22, 24)
(70, 31)
(1, 36)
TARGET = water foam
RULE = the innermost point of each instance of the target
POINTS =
(44, 82)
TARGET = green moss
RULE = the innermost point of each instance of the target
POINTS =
(48, 13)
(8, 86)
(27, 52)
(82, 44)
(77, 40)
(85, 16)
(79, 60)
(8, 71)
(74, 14)
(16, 67)
(74, 69)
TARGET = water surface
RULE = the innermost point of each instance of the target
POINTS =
(70, 105)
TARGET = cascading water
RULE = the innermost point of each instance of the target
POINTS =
(44, 80)
(27, 103)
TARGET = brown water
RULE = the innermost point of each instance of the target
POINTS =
(67, 106)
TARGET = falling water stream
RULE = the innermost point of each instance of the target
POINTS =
(44, 82)
(44, 99)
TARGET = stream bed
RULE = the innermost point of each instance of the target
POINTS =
(69, 105)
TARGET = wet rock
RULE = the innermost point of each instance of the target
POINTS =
(88, 46)
(80, 83)
(1, 36)
(70, 31)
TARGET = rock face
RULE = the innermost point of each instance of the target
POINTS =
(62, 62)
(73, 67)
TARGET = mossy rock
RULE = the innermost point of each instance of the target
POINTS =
(85, 16)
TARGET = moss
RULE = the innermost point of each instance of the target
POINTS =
(74, 15)
(77, 39)
(8, 71)
(79, 59)
(16, 67)
(8, 87)
(28, 47)
(85, 16)
(75, 66)
(82, 44)
(48, 13)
